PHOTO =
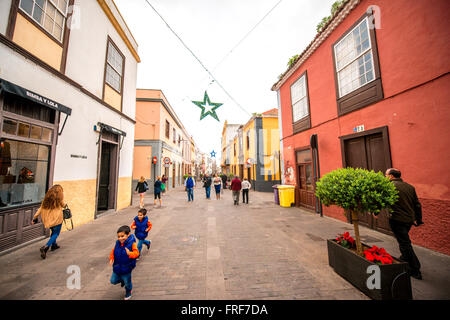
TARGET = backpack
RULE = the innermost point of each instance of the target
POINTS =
(145, 186)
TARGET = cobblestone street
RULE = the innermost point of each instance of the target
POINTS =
(208, 249)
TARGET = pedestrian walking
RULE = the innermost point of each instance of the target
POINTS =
(163, 183)
(406, 212)
(142, 226)
(207, 185)
(217, 186)
(236, 187)
(141, 187)
(190, 185)
(51, 212)
(157, 191)
(245, 189)
(224, 181)
(123, 259)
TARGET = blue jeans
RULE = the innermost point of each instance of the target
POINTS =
(139, 246)
(125, 278)
(190, 193)
(55, 233)
(208, 191)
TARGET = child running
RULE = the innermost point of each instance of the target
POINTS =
(123, 259)
(142, 226)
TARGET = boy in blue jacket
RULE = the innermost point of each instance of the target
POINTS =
(142, 226)
(123, 259)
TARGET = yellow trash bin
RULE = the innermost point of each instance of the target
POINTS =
(287, 195)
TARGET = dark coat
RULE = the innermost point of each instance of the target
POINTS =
(122, 263)
(407, 209)
(157, 187)
(141, 226)
(207, 182)
(142, 187)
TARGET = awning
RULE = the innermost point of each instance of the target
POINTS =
(112, 129)
(30, 95)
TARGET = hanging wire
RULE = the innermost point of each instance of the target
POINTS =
(199, 61)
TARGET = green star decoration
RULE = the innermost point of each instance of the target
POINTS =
(209, 106)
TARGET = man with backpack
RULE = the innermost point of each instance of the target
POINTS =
(190, 185)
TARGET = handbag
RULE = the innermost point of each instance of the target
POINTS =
(67, 214)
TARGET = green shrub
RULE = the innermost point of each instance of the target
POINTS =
(357, 190)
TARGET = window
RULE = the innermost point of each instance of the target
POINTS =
(23, 172)
(299, 99)
(26, 130)
(49, 14)
(114, 67)
(174, 136)
(354, 61)
(358, 82)
(300, 104)
(248, 140)
(167, 129)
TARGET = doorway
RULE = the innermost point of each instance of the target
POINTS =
(369, 150)
(305, 178)
(107, 184)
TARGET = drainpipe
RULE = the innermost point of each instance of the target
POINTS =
(280, 125)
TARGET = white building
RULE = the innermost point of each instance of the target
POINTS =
(67, 110)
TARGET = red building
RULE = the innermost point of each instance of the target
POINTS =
(374, 87)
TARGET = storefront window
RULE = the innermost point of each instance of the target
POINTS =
(24, 130)
(36, 132)
(9, 126)
(24, 171)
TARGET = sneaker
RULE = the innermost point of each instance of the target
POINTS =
(127, 295)
(148, 245)
(43, 250)
(54, 247)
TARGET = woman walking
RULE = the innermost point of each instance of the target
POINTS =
(142, 186)
(157, 191)
(51, 212)
(163, 183)
(217, 184)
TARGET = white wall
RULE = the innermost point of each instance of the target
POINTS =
(78, 136)
(5, 6)
(87, 54)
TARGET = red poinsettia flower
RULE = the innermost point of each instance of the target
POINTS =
(378, 255)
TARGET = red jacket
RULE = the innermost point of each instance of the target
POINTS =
(236, 185)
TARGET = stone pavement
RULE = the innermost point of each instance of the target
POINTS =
(208, 249)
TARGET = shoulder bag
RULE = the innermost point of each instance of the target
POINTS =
(67, 214)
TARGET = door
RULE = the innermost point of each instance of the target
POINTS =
(107, 177)
(305, 182)
(369, 152)
(305, 185)
(173, 176)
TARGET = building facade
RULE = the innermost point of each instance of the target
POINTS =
(160, 134)
(254, 152)
(368, 93)
(67, 107)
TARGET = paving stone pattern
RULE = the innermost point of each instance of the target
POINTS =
(208, 249)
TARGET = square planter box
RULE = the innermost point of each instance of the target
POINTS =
(395, 281)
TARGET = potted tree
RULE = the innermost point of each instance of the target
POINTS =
(358, 191)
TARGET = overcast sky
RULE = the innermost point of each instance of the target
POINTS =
(211, 28)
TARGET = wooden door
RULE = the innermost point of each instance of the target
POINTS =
(305, 185)
(368, 152)
(104, 181)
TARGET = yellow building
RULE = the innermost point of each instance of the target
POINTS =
(254, 151)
